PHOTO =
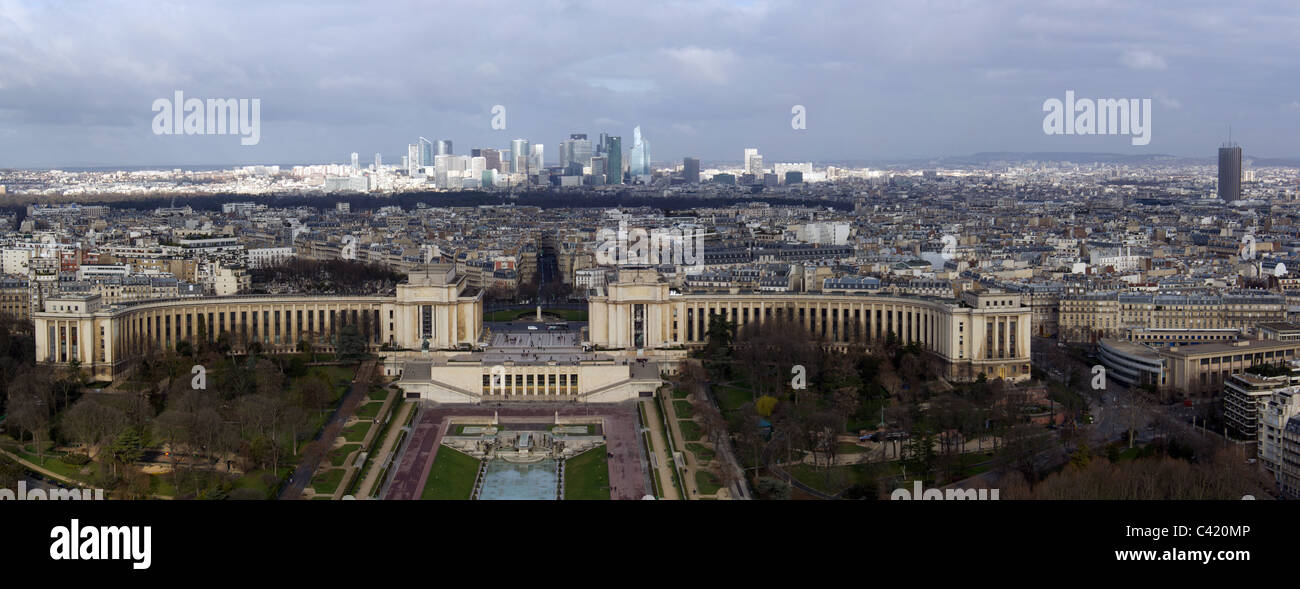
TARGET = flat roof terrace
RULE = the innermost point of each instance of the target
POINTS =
(535, 340)
(542, 347)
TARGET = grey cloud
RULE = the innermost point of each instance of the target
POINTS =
(703, 77)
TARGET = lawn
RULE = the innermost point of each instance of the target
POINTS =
(846, 448)
(1130, 454)
(586, 476)
(837, 478)
(702, 453)
(338, 455)
(356, 432)
(253, 479)
(684, 409)
(588, 427)
(50, 462)
(161, 484)
(507, 315)
(339, 377)
(452, 476)
(378, 394)
(691, 431)
(327, 481)
(515, 314)
(708, 483)
(731, 398)
(369, 410)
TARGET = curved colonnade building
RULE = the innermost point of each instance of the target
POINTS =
(431, 332)
(433, 310)
(985, 332)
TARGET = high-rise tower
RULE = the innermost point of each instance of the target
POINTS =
(1230, 172)
(614, 161)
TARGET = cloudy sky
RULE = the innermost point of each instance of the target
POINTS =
(879, 80)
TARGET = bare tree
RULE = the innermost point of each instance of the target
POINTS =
(92, 423)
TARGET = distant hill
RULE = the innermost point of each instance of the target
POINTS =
(988, 157)
(1077, 157)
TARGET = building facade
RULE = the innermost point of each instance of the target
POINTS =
(1090, 317)
(1279, 440)
(982, 333)
(434, 309)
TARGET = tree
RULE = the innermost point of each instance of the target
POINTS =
(819, 430)
(268, 378)
(744, 426)
(293, 418)
(711, 419)
(10, 473)
(30, 404)
(770, 488)
(718, 336)
(1020, 450)
(890, 380)
(137, 483)
(224, 343)
(315, 393)
(127, 448)
(68, 381)
(306, 346)
(351, 344)
(1136, 415)
(920, 448)
(91, 422)
(1081, 457)
(239, 378)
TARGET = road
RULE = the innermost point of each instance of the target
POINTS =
(316, 450)
(1111, 408)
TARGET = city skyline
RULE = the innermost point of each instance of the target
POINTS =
(878, 96)
(578, 251)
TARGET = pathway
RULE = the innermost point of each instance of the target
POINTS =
(372, 477)
(664, 461)
(316, 451)
(688, 476)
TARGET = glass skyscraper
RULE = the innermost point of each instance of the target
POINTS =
(639, 160)
(426, 153)
(575, 152)
(519, 156)
(614, 159)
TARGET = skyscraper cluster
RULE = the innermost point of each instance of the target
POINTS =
(581, 162)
